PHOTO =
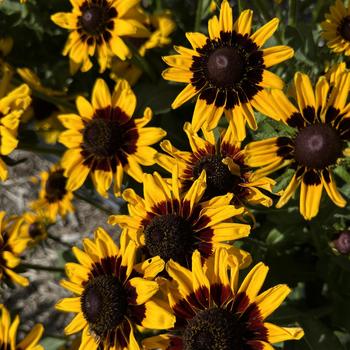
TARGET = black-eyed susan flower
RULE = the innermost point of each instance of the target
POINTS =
(11, 246)
(54, 196)
(172, 224)
(160, 25)
(104, 140)
(112, 294)
(321, 130)
(227, 71)
(8, 333)
(213, 312)
(42, 112)
(34, 226)
(336, 28)
(97, 27)
(12, 106)
(224, 163)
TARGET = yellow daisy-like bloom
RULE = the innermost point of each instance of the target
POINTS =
(227, 71)
(8, 334)
(42, 112)
(172, 224)
(224, 163)
(11, 246)
(105, 140)
(336, 28)
(97, 26)
(161, 26)
(321, 130)
(12, 107)
(112, 294)
(34, 227)
(213, 312)
(54, 196)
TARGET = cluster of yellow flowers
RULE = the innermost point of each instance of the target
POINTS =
(175, 268)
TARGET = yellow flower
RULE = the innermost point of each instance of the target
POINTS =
(172, 224)
(54, 196)
(227, 71)
(112, 294)
(321, 130)
(160, 26)
(213, 312)
(104, 140)
(8, 333)
(97, 26)
(336, 28)
(12, 107)
(34, 227)
(11, 246)
(224, 163)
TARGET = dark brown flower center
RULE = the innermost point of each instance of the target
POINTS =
(344, 28)
(219, 178)
(342, 243)
(215, 329)
(42, 109)
(317, 146)
(35, 230)
(104, 304)
(102, 137)
(93, 19)
(171, 237)
(55, 188)
(225, 66)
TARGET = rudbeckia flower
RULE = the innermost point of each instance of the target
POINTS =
(224, 163)
(34, 226)
(227, 71)
(213, 312)
(104, 140)
(112, 294)
(8, 333)
(54, 196)
(172, 224)
(11, 246)
(12, 106)
(336, 28)
(97, 26)
(320, 131)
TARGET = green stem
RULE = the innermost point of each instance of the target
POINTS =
(240, 6)
(198, 19)
(42, 268)
(93, 203)
(56, 239)
(292, 12)
(159, 5)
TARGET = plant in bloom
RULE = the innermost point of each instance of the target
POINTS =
(97, 27)
(172, 224)
(12, 106)
(8, 333)
(227, 71)
(224, 163)
(34, 226)
(54, 196)
(320, 132)
(12, 246)
(336, 28)
(213, 312)
(113, 294)
(105, 140)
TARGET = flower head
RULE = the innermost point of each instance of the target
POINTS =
(112, 294)
(172, 224)
(227, 71)
(105, 140)
(97, 26)
(8, 333)
(213, 312)
(320, 131)
(336, 28)
(12, 246)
